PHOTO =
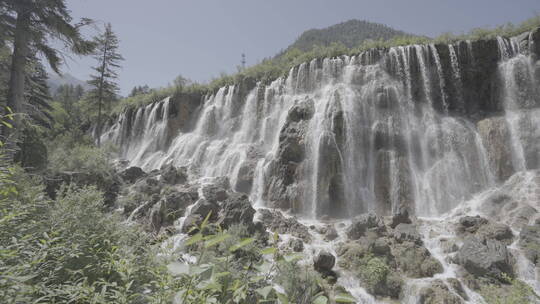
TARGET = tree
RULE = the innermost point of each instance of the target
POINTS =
(31, 26)
(105, 87)
(180, 82)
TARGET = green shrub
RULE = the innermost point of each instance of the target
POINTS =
(516, 292)
(69, 250)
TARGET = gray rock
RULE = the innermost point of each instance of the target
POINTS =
(296, 245)
(401, 217)
(236, 209)
(497, 231)
(471, 224)
(438, 293)
(363, 223)
(456, 285)
(485, 258)
(496, 138)
(407, 232)
(529, 241)
(331, 233)
(415, 261)
(171, 207)
(278, 223)
(214, 193)
(324, 262)
(172, 175)
(190, 222)
(381, 246)
(203, 208)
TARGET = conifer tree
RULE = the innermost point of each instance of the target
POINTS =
(103, 81)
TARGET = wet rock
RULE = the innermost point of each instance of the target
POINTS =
(449, 245)
(437, 293)
(324, 262)
(171, 207)
(471, 224)
(496, 138)
(276, 222)
(132, 174)
(203, 208)
(415, 261)
(407, 232)
(236, 209)
(172, 175)
(455, 284)
(530, 243)
(244, 179)
(296, 245)
(214, 193)
(401, 217)
(497, 231)
(381, 246)
(331, 233)
(485, 257)
(190, 222)
(363, 223)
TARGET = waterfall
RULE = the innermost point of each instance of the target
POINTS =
(416, 127)
(375, 141)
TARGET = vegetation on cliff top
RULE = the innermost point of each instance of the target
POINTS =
(305, 50)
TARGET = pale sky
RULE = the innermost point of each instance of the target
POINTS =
(161, 39)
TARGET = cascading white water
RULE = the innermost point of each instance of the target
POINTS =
(381, 136)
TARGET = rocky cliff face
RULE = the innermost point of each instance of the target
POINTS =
(414, 171)
(420, 127)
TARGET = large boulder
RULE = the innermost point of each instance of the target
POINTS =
(415, 260)
(132, 174)
(324, 262)
(204, 208)
(214, 193)
(236, 209)
(485, 257)
(407, 232)
(277, 222)
(171, 207)
(438, 293)
(364, 223)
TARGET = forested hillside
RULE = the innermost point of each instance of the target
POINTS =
(351, 33)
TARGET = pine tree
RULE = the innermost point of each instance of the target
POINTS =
(33, 27)
(104, 81)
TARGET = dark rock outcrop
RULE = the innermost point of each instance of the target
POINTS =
(482, 257)
(132, 174)
(364, 223)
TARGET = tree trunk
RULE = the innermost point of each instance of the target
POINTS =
(100, 94)
(15, 96)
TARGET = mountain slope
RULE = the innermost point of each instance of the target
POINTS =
(55, 81)
(351, 33)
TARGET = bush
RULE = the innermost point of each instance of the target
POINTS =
(69, 250)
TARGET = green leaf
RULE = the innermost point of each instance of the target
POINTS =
(176, 268)
(269, 250)
(282, 298)
(265, 291)
(216, 240)
(243, 243)
(7, 124)
(321, 300)
(194, 239)
(345, 298)
(293, 257)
